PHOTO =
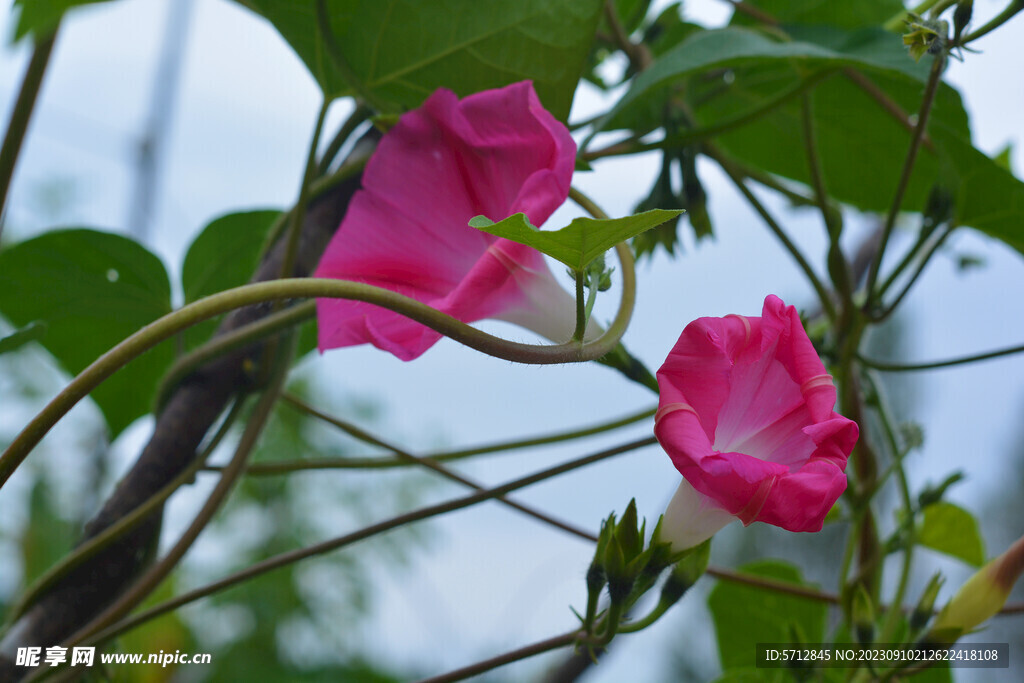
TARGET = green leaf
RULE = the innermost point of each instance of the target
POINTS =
(952, 530)
(34, 331)
(92, 290)
(861, 145)
(746, 615)
(580, 242)
(988, 197)
(224, 255)
(738, 47)
(39, 17)
(840, 13)
(1002, 158)
(403, 50)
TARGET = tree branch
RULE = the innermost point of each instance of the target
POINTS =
(190, 412)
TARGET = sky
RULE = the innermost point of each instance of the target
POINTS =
(492, 579)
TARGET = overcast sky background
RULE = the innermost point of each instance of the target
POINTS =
(495, 580)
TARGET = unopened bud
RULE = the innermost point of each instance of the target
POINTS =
(627, 533)
(982, 596)
(962, 17)
(686, 572)
(926, 605)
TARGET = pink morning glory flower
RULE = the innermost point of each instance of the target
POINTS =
(494, 153)
(746, 414)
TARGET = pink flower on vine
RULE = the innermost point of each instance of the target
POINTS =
(494, 153)
(746, 414)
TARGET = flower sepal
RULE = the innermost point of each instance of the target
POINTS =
(980, 598)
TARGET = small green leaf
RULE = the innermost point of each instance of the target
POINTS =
(1002, 158)
(746, 615)
(952, 530)
(92, 289)
(34, 331)
(580, 242)
(39, 17)
(834, 514)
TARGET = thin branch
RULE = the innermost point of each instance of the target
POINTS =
(886, 312)
(357, 117)
(225, 343)
(155, 575)
(934, 78)
(94, 545)
(753, 12)
(432, 465)
(639, 54)
(293, 556)
(277, 468)
(1011, 10)
(826, 301)
(899, 367)
(485, 665)
(275, 290)
(298, 212)
(772, 585)
(886, 102)
(17, 127)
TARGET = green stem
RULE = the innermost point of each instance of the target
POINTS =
(287, 558)
(352, 166)
(886, 312)
(229, 341)
(772, 183)
(896, 608)
(899, 367)
(885, 102)
(323, 22)
(848, 550)
(640, 624)
(358, 115)
(443, 456)
(639, 54)
(771, 584)
(826, 301)
(612, 622)
(934, 78)
(1011, 10)
(587, 204)
(155, 575)
(564, 640)
(432, 465)
(274, 290)
(838, 266)
(908, 259)
(17, 127)
(299, 211)
(581, 308)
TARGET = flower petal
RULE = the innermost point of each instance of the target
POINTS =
(494, 153)
(746, 415)
(691, 518)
